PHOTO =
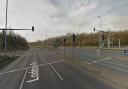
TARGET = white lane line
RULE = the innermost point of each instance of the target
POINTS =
(101, 60)
(33, 80)
(29, 67)
(55, 71)
(50, 63)
(13, 71)
(23, 79)
(122, 69)
(118, 64)
(87, 62)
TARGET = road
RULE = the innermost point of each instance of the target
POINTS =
(109, 59)
(43, 69)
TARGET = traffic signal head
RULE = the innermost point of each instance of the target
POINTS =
(74, 37)
(94, 29)
(33, 28)
(64, 40)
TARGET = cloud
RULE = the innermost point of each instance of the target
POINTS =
(60, 16)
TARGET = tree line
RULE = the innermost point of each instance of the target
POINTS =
(87, 39)
(14, 41)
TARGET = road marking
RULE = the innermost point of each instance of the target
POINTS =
(34, 72)
(117, 64)
(29, 67)
(87, 62)
(33, 80)
(122, 70)
(23, 79)
(50, 63)
(13, 71)
(101, 60)
(55, 71)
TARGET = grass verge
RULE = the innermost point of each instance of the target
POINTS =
(4, 61)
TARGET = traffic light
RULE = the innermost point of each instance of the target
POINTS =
(74, 37)
(94, 29)
(64, 40)
(33, 28)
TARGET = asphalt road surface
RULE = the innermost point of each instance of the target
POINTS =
(43, 69)
(109, 59)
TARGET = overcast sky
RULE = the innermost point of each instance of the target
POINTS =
(62, 16)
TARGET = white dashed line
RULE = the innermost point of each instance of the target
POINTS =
(23, 79)
(33, 80)
(15, 70)
(101, 60)
(87, 62)
(118, 64)
(50, 63)
(55, 71)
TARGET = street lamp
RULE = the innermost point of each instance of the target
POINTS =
(6, 25)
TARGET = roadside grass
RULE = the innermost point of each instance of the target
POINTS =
(4, 61)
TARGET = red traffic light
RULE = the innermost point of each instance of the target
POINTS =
(33, 28)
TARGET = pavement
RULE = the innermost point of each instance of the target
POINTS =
(113, 60)
(43, 69)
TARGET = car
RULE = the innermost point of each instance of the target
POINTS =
(126, 51)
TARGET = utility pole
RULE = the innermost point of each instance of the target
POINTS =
(46, 37)
(108, 39)
(64, 45)
(6, 28)
(100, 41)
(4, 31)
(79, 37)
(73, 44)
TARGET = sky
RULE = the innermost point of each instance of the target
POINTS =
(60, 17)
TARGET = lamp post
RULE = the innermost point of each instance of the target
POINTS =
(5, 41)
(100, 41)
(6, 28)
(46, 37)
(79, 38)
(119, 42)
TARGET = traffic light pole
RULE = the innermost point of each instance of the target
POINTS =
(64, 45)
(73, 44)
(4, 30)
(101, 38)
(6, 25)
